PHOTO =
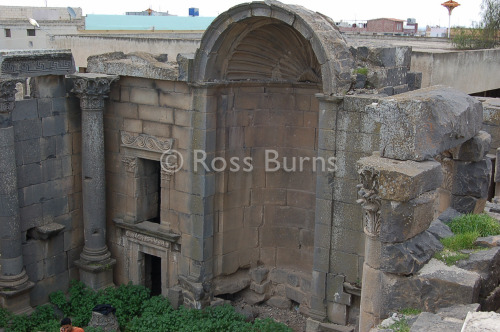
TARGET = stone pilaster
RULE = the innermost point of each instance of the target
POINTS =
(397, 198)
(14, 284)
(95, 260)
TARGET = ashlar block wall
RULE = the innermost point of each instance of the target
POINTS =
(47, 130)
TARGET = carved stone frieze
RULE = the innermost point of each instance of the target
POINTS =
(92, 90)
(31, 63)
(147, 239)
(370, 200)
(146, 142)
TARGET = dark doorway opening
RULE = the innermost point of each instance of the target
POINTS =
(153, 274)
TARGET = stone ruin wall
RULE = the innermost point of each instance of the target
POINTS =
(47, 145)
(219, 233)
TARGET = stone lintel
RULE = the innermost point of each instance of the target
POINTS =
(402, 180)
(148, 228)
(139, 64)
(421, 124)
(32, 63)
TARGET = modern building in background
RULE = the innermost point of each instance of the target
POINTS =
(381, 26)
(18, 33)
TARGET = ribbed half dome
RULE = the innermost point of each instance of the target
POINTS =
(273, 52)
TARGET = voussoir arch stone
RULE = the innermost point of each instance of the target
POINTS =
(237, 43)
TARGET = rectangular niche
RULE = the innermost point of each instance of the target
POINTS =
(148, 190)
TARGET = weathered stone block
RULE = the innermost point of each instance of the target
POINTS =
(448, 215)
(231, 284)
(487, 264)
(458, 311)
(260, 288)
(259, 274)
(387, 56)
(414, 80)
(408, 257)
(25, 110)
(474, 149)
(488, 241)
(471, 178)
(418, 125)
(467, 204)
(279, 302)
(401, 221)
(403, 180)
(447, 285)
(429, 322)
(439, 229)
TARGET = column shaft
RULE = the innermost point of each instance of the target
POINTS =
(95, 260)
(14, 284)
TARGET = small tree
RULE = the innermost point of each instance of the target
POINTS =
(484, 35)
(491, 19)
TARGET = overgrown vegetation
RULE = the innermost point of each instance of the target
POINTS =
(467, 228)
(486, 34)
(362, 71)
(136, 311)
(400, 326)
(410, 311)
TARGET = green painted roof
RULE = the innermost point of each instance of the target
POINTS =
(137, 22)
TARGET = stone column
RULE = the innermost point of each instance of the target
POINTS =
(95, 260)
(14, 284)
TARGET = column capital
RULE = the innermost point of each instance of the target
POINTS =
(7, 94)
(92, 89)
(370, 200)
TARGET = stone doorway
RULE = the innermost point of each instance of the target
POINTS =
(153, 273)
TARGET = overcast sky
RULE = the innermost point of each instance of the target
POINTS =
(427, 12)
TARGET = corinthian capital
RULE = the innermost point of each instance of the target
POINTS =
(92, 89)
(7, 95)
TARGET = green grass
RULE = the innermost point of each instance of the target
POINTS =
(410, 311)
(450, 257)
(460, 241)
(480, 223)
(467, 228)
(362, 71)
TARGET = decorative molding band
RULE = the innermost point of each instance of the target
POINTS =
(16, 63)
(146, 142)
(370, 200)
(145, 239)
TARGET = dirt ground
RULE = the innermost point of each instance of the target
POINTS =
(290, 317)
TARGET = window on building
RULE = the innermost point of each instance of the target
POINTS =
(7, 33)
(31, 32)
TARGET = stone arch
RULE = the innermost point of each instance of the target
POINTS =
(319, 50)
(252, 95)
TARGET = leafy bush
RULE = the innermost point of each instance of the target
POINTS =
(136, 311)
(42, 319)
(5, 316)
(473, 38)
